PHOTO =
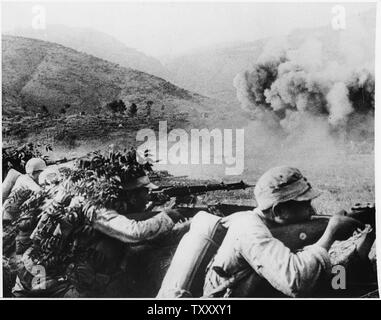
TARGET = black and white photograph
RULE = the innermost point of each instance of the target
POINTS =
(188, 150)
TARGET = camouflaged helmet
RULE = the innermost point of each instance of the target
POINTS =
(140, 182)
(281, 184)
(136, 176)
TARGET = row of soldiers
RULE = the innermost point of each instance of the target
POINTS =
(113, 229)
(283, 196)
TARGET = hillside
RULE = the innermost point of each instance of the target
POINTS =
(211, 71)
(38, 73)
(41, 79)
(98, 44)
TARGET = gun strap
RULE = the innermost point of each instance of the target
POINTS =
(229, 283)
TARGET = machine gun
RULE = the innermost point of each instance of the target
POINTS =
(163, 194)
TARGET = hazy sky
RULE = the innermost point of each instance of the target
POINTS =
(172, 28)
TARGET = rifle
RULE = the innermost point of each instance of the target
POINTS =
(163, 194)
(294, 236)
(298, 235)
(59, 161)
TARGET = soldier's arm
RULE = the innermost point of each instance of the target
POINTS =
(11, 206)
(294, 274)
(21, 191)
(127, 230)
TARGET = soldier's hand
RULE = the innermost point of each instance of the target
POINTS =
(175, 215)
(342, 227)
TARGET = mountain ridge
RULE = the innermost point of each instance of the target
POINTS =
(96, 43)
(37, 73)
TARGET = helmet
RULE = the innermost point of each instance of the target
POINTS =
(34, 165)
(281, 184)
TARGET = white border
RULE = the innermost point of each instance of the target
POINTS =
(377, 131)
(377, 173)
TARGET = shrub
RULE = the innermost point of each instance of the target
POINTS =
(116, 106)
(133, 110)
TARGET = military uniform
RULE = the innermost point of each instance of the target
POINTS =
(13, 248)
(98, 274)
(251, 254)
(88, 258)
(250, 247)
(23, 188)
(21, 191)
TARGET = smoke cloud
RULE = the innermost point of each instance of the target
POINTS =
(296, 86)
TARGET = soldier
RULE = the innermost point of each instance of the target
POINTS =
(98, 273)
(251, 254)
(24, 185)
(21, 190)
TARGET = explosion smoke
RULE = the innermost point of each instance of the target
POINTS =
(299, 84)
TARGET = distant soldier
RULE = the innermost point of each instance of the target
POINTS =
(99, 271)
